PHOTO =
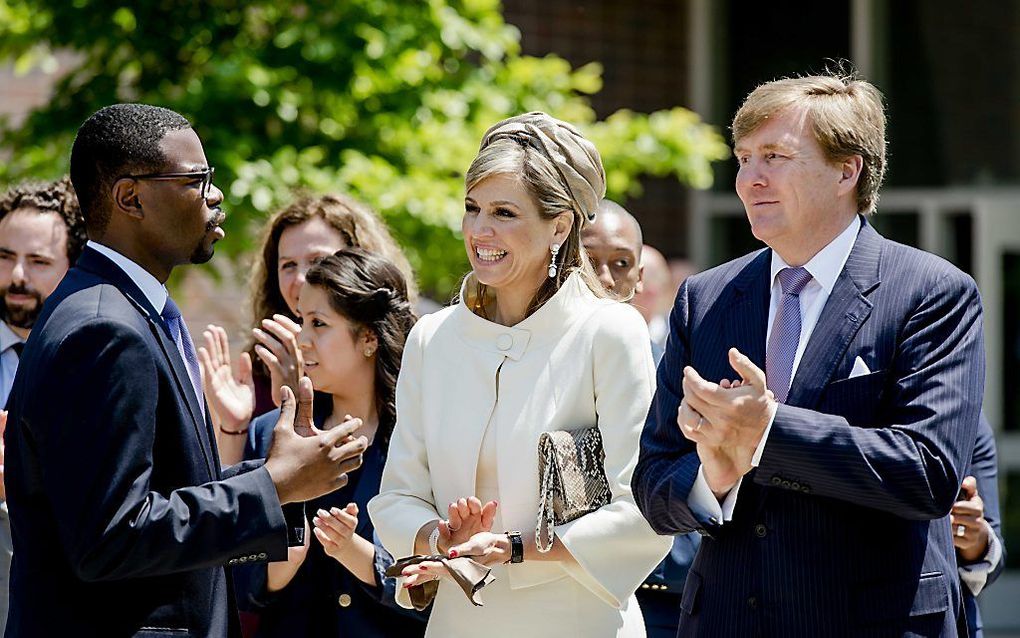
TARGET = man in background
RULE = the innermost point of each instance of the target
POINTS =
(41, 235)
(614, 246)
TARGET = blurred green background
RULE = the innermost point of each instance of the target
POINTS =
(384, 100)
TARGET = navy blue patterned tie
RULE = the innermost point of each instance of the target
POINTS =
(785, 337)
(179, 331)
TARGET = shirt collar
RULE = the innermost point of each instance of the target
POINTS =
(154, 291)
(828, 262)
(8, 337)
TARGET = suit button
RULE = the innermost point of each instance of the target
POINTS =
(243, 559)
(776, 480)
(795, 485)
(752, 602)
(344, 600)
(263, 556)
(504, 341)
(805, 489)
(760, 530)
(645, 585)
(786, 485)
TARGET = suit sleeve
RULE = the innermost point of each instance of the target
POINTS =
(984, 468)
(912, 463)
(668, 463)
(614, 546)
(98, 463)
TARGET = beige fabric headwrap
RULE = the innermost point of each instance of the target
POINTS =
(576, 159)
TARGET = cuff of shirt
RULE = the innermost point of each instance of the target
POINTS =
(706, 506)
(976, 575)
(756, 459)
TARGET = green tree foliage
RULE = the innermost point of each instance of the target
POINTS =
(384, 99)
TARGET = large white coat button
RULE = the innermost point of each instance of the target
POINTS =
(505, 341)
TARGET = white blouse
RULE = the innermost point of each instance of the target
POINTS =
(576, 362)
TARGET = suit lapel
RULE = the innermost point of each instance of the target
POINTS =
(98, 264)
(846, 310)
(745, 321)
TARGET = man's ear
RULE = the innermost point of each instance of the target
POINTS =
(850, 173)
(640, 287)
(125, 197)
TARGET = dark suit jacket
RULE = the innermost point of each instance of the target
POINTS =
(121, 521)
(310, 604)
(984, 467)
(841, 530)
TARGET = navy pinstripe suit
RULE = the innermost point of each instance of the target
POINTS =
(841, 530)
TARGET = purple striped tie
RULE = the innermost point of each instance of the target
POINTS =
(782, 346)
(182, 338)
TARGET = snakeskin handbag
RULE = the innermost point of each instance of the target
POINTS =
(571, 479)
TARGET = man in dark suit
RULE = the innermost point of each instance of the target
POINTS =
(122, 520)
(822, 478)
(977, 527)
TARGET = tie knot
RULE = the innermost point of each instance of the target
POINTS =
(793, 280)
(170, 310)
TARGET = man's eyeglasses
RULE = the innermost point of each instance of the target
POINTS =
(206, 175)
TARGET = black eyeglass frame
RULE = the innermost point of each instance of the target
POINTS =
(206, 175)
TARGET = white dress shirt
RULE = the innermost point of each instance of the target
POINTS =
(153, 290)
(824, 267)
(8, 361)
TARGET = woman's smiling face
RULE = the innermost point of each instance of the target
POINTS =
(506, 238)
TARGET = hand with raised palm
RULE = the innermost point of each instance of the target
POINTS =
(231, 396)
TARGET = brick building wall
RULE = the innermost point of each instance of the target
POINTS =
(642, 47)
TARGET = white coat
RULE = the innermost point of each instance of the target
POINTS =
(577, 361)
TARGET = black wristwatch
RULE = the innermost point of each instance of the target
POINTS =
(516, 547)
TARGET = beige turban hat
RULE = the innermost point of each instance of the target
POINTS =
(576, 159)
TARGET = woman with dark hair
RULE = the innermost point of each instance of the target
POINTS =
(355, 315)
(294, 239)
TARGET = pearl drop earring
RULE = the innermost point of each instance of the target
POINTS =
(554, 249)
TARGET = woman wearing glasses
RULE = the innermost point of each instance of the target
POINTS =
(533, 346)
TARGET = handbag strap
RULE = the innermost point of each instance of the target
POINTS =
(550, 479)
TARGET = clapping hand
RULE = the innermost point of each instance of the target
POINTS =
(336, 528)
(466, 532)
(278, 349)
(231, 397)
(726, 420)
(968, 516)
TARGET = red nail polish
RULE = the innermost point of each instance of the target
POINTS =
(453, 553)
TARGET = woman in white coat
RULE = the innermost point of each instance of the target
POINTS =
(534, 345)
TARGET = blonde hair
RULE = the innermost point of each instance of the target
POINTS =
(847, 117)
(541, 179)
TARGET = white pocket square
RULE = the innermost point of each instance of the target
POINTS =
(860, 368)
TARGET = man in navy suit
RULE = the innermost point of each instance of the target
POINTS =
(821, 478)
(977, 527)
(122, 520)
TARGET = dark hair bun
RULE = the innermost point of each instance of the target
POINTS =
(379, 301)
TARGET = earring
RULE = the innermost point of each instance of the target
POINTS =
(369, 352)
(554, 249)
